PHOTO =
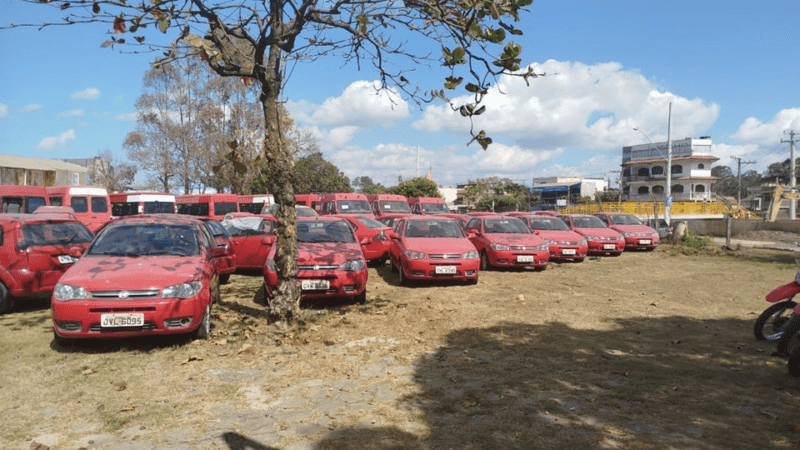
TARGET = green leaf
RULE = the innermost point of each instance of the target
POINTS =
(105, 44)
(96, 8)
(479, 111)
(495, 36)
(452, 82)
(163, 24)
(472, 87)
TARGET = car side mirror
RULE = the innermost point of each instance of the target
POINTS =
(219, 251)
(365, 241)
(268, 240)
(392, 235)
(473, 233)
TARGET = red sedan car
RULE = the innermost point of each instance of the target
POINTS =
(507, 242)
(330, 261)
(564, 243)
(636, 234)
(433, 248)
(142, 275)
(601, 239)
(252, 237)
(377, 251)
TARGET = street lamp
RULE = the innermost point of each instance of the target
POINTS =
(668, 193)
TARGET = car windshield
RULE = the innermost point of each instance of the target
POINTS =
(354, 206)
(369, 222)
(588, 222)
(146, 239)
(324, 231)
(248, 226)
(505, 226)
(305, 211)
(625, 219)
(55, 233)
(433, 228)
(434, 208)
(397, 206)
(548, 223)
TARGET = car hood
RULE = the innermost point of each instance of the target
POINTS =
(309, 253)
(602, 232)
(515, 239)
(120, 272)
(560, 235)
(439, 245)
(633, 229)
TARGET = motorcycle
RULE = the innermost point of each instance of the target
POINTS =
(770, 325)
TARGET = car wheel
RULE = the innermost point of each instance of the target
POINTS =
(473, 281)
(392, 267)
(401, 276)
(577, 260)
(204, 330)
(484, 261)
(225, 279)
(362, 297)
(794, 364)
(261, 297)
(769, 325)
(60, 341)
(6, 303)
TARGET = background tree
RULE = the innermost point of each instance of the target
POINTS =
(416, 187)
(254, 42)
(496, 194)
(115, 176)
(727, 184)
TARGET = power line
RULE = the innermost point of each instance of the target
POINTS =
(739, 176)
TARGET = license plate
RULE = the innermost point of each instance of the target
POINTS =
(609, 247)
(445, 270)
(121, 320)
(315, 285)
(524, 258)
(66, 259)
(568, 251)
(644, 241)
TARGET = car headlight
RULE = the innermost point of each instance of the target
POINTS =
(543, 247)
(183, 290)
(271, 266)
(471, 255)
(583, 242)
(549, 242)
(410, 254)
(592, 238)
(380, 237)
(65, 292)
(621, 239)
(499, 247)
(626, 234)
(655, 235)
(353, 266)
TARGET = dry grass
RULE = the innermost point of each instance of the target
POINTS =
(647, 350)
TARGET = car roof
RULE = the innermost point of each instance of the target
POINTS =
(160, 218)
(34, 218)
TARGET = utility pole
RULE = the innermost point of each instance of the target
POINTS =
(792, 173)
(668, 202)
(739, 177)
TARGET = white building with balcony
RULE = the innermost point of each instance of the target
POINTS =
(644, 170)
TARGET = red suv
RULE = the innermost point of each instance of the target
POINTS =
(35, 250)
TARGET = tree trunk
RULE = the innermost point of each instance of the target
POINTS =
(285, 303)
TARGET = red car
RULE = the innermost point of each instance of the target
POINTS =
(507, 242)
(35, 250)
(377, 251)
(636, 234)
(252, 237)
(142, 275)
(564, 243)
(433, 248)
(226, 263)
(330, 261)
(601, 239)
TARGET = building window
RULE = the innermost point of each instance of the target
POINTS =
(644, 172)
(626, 172)
(699, 188)
(701, 166)
(677, 189)
(658, 190)
(677, 168)
(658, 170)
(643, 190)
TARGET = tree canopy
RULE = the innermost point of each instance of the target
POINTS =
(416, 187)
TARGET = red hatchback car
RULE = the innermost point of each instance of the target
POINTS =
(601, 239)
(636, 234)
(433, 248)
(330, 261)
(564, 243)
(35, 250)
(507, 242)
(142, 275)
(377, 251)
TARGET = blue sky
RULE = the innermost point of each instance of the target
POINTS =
(731, 70)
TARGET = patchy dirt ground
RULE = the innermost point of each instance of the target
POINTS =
(645, 350)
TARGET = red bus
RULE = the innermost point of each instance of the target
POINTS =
(17, 199)
(209, 206)
(255, 203)
(90, 203)
(133, 203)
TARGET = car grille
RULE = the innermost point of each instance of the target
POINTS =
(566, 242)
(125, 295)
(97, 328)
(525, 247)
(604, 238)
(317, 268)
(446, 256)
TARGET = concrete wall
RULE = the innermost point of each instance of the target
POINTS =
(717, 227)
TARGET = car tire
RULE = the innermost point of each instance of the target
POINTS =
(401, 276)
(484, 261)
(6, 302)
(769, 325)
(790, 340)
(361, 298)
(473, 281)
(794, 364)
(577, 260)
(392, 267)
(203, 332)
(261, 297)
(225, 279)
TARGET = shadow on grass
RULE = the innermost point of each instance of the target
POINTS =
(670, 382)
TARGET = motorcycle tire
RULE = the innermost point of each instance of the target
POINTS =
(794, 364)
(769, 325)
(790, 341)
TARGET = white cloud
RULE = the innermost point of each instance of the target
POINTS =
(3, 110)
(86, 94)
(769, 133)
(591, 106)
(33, 107)
(126, 117)
(362, 104)
(61, 140)
(72, 113)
